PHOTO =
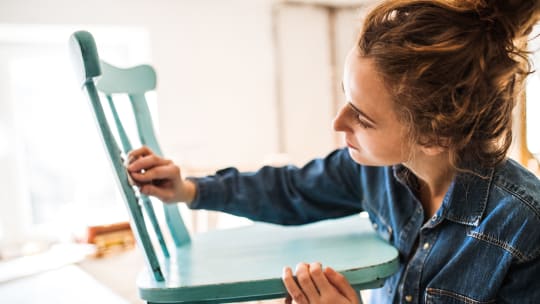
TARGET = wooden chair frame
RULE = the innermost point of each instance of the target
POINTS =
(220, 266)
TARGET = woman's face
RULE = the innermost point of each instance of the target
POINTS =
(373, 133)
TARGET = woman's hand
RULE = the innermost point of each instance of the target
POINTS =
(159, 177)
(315, 285)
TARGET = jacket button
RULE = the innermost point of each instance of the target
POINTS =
(426, 246)
(408, 298)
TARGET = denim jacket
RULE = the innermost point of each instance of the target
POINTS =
(481, 246)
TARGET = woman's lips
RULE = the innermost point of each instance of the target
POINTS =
(351, 145)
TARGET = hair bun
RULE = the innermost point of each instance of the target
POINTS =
(517, 17)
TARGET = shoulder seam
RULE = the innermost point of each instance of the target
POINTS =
(520, 197)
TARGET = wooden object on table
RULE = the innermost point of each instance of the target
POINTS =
(109, 238)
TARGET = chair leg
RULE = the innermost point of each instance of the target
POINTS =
(360, 297)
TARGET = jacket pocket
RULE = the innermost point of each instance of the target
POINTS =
(440, 296)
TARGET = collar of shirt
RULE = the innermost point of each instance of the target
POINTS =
(466, 199)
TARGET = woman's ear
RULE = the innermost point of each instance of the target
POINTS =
(433, 150)
(441, 146)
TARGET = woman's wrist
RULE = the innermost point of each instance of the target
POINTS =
(190, 187)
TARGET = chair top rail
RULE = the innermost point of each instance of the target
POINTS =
(133, 81)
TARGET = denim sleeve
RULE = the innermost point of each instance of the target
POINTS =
(323, 188)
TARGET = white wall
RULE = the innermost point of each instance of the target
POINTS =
(216, 63)
(215, 66)
(312, 44)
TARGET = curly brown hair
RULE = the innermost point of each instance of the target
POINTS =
(453, 68)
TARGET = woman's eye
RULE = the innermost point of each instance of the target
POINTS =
(358, 118)
(362, 123)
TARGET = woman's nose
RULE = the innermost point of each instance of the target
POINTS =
(340, 121)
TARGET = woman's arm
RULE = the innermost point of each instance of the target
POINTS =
(323, 188)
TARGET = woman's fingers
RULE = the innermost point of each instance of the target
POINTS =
(318, 277)
(317, 286)
(341, 284)
(147, 162)
(142, 151)
(295, 293)
(159, 177)
(288, 299)
(167, 171)
(152, 169)
(143, 159)
(303, 276)
(166, 195)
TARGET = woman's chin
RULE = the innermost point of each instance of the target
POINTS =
(357, 157)
(361, 159)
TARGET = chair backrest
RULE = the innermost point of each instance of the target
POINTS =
(96, 75)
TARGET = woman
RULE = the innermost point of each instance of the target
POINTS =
(430, 87)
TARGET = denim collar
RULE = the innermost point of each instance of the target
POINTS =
(466, 199)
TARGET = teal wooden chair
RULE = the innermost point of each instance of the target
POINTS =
(221, 266)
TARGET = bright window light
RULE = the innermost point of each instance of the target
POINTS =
(533, 113)
(63, 179)
(533, 97)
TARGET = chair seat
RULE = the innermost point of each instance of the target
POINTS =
(245, 263)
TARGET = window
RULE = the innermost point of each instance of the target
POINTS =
(533, 97)
(56, 171)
